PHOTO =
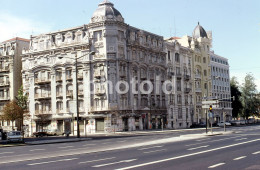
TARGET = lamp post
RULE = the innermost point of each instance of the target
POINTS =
(77, 96)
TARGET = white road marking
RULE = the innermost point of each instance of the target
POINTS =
(242, 157)
(240, 139)
(73, 149)
(203, 139)
(62, 160)
(112, 163)
(214, 166)
(213, 141)
(97, 160)
(256, 153)
(198, 147)
(89, 144)
(105, 143)
(122, 141)
(37, 150)
(155, 151)
(150, 148)
(66, 147)
(187, 155)
(5, 153)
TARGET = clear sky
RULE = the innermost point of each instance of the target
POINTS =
(235, 24)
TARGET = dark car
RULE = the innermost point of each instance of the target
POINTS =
(40, 134)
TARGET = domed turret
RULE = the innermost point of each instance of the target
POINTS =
(199, 32)
(106, 12)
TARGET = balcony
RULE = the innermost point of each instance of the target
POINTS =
(69, 93)
(4, 69)
(42, 96)
(97, 75)
(198, 90)
(197, 76)
(100, 92)
(80, 76)
(80, 92)
(68, 77)
(186, 77)
(43, 80)
(4, 83)
(59, 95)
(38, 112)
(122, 74)
(187, 90)
(58, 78)
(178, 75)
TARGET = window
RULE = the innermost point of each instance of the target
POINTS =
(204, 59)
(179, 99)
(178, 85)
(179, 113)
(205, 72)
(169, 55)
(177, 57)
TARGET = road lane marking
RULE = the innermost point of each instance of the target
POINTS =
(5, 153)
(187, 155)
(198, 147)
(89, 144)
(240, 139)
(61, 160)
(113, 163)
(156, 151)
(213, 141)
(121, 141)
(203, 139)
(150, 148)
(97, 160)
(73, 149)
(256, 153)
(64, 147)
(242, 157)
(37, 150)
(216, 165)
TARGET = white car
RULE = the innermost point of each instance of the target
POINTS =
(15, 136)
(222, 124)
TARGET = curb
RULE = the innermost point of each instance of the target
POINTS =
(52, 142)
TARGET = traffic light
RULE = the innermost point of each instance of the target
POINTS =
(210, 108)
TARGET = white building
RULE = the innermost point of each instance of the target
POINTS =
(221, 86)
(122, 53)
(180, 101)
(10, 73)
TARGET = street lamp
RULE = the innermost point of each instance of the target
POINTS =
(77, 96)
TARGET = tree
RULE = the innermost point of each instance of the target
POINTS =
(236, 104)
(12, 112)
(22, 101)
(249, 98)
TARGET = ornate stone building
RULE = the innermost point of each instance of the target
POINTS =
(180, 101)
(200, 44)
(123, 55)
(10, 73)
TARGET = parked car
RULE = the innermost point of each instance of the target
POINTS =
(15, 136)
(40, 134)
(222, 124)
(235, 122)
(54, 132)
(242, 122)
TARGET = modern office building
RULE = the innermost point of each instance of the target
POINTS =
(221, 86)
(10, 73)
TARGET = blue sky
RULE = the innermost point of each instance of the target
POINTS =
(235, 24)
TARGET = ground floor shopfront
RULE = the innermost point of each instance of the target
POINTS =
(100, 122)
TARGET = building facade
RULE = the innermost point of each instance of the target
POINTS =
(121, 86)
(180, 100)
(10, 73)
(221, 86)
(123, 55)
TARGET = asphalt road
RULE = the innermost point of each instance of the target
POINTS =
(239, 150)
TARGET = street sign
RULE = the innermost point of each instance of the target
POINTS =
(210, 102)
(207, 106)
